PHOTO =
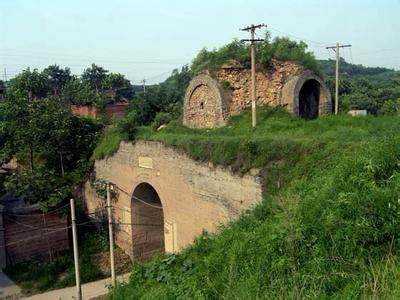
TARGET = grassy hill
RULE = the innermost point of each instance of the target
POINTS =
(329, 224)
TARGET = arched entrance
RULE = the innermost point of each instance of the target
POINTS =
(147, 222)
(309, 99)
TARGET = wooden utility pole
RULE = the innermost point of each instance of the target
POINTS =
(76, 255)
(111, 235)
(336, 49)
(252, 29)
(144, 85)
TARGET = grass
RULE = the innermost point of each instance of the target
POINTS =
(108, 145)
(329, 224)
(36, 276)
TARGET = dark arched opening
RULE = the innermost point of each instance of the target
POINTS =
(147, 222)
(309, 99)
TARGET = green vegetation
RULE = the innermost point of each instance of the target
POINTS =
(375, 89)
(329, 224)
(108, 144)
(280, 48)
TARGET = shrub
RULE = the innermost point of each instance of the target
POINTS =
(127, 126)
(161, 119)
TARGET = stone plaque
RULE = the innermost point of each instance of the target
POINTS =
(145, 162)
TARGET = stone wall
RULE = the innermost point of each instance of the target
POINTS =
(279, 85)
(268, 84)
(194, 196)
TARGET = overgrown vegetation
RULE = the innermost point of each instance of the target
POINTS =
(328, 226)
(375, 89)
(280, 48)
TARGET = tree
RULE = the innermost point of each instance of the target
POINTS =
(94, 76)
(31, 84)
(56, 77)
(118, 85)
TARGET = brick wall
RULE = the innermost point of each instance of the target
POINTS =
(29, 235)
(112, 110)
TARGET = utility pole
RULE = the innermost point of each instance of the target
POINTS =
(76, 255)
(111, 234)
(144, 85)
(336, 49)
(5, 75)
(252, 29)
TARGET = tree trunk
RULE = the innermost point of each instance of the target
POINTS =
(31, 157)
(62, 164)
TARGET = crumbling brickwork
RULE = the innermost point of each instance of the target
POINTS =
(280, 84)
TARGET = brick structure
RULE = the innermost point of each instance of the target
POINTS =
(167, 199)
(89, 110)
(25, 233)
(211, 100)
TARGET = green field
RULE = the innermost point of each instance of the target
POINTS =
(329, 225)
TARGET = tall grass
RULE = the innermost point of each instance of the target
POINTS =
(329, 224)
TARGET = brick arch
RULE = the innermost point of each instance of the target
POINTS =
(204, 104)
(290, 94)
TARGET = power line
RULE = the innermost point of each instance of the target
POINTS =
(320, 44)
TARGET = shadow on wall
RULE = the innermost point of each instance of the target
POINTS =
(147, 222)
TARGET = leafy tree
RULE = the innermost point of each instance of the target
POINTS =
(31, 84)
(94, 76)
(77, 92)
(56, 77)
(118, 85)
(163, 97)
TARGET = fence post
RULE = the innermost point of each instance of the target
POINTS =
(3, 256)
(111, 235)
(76, 255)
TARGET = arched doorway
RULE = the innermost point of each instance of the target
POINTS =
(309, 99)
(147, 222)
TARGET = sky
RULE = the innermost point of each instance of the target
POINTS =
(148, 39)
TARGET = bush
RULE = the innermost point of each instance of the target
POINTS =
(127, 126)
(161, 119)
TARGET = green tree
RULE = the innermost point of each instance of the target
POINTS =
(94, 76)
(56, 77)
(118, 85)
(31, 84)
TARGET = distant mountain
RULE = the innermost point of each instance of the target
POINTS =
(356, 70)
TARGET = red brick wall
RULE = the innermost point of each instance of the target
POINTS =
(84, 110)
(32, 236)
(116, 109)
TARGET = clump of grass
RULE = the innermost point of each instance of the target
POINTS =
(329, 224)
(108, 145)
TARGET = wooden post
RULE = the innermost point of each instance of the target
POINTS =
(252, 28)
(76, 254)
(253, 80)
(336, 49)
(337, 80)
(111, 235)
(3, 254)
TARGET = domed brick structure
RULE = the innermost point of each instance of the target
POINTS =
(211, 100)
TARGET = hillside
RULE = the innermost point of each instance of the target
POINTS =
(349, 70)
(329, 224)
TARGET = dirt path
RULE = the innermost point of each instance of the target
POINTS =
(8, 289)
(89, 290)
